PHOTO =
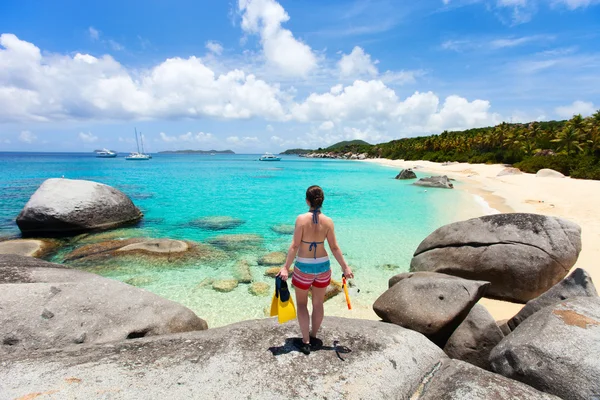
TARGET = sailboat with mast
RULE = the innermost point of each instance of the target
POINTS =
(137, 156)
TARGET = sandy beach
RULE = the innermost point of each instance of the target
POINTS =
(573, 199)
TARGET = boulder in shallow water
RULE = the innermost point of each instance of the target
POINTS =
(216, 223)
(250, 359)
(156, 246)
(274, 258)
(406, 174)
(457, 380)
(46, 305)
(28, 247)
(522, 255)
(548, 173)
(260, 289)
(435, 182)
(556, 350)
(578, 284)
(333, 289)
(283, 229)
(225, 285)
(237, 241)
(242, 271)
(65, 207)
(475, 338)
(431, 303)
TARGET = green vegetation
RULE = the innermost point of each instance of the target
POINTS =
(297, 151)
(347, 144)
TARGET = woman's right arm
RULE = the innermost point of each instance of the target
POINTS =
(337, 252)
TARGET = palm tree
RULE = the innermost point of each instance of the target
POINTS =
(568, 140)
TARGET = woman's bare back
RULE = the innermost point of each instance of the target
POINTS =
(313, 233)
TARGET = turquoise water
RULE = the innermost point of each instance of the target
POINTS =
(379, 221)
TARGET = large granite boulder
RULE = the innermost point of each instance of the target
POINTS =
(475, 338)
(360, 359)
(65, 207)
(46, 305)
(578, 284)
(435, 182)
(457, 380)
(28, 247)
(522, 255)
(406, 174)
(427, 302)
(556, 350)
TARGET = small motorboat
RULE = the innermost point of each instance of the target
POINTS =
(269, 157)
(105, 153)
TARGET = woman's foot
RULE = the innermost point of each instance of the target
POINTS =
(303, 347)
(315, 343)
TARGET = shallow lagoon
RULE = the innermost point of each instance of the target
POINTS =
(379, 221)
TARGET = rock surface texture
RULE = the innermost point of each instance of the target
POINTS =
(256, 359)
(509, 171)
(64, 207)
(548, 173)
(45, 305)
(456, 380)
(475, 338)
(435, 182)
(28, 247)
(556, 350)
(406, 174)
(578, 284)
(522, 255)
(430, 303)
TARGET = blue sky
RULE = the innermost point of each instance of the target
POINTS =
(266, 75)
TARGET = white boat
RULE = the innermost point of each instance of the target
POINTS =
(269, 157)
(137, 156)
(105, 153)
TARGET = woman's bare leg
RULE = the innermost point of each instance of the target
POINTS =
(303, 318)
(318, 297)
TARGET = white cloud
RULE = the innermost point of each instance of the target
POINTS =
(115, 45)
(236, 140)
(94, 33)
(27, 137)
(357, 63)
(326, 126)
(214, 47)
(577, 107)
(87, 137)
(280, 47)
(189, 137)
(574, 4)
(270, 128)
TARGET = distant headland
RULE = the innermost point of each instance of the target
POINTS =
(196, 152)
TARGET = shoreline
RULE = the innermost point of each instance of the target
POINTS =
(572, 199)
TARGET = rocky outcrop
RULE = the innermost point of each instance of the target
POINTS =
(260, 289)
(28, 247)
(548, 173)
(430, 303)
(475, 338)
(456, 380)
(509, 171)
(65, 207)
(522, 255)
(359, 359)
(225, 285)
(275, 258)
(579, 283)
(236, 241)
(156, 246)
(242, 272)
(406, 174)
(46, 305)
(435, 182)
(283, 229)
(556, 350)
(216, 223)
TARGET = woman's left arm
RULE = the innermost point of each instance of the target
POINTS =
(293, 250)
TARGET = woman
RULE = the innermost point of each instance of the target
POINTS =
(312, 268)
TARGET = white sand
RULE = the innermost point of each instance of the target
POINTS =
(573, 199)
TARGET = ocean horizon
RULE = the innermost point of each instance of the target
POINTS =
(379, 220)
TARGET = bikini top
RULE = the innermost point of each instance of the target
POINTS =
(313, 245)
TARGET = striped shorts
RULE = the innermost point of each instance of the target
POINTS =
(311, 272)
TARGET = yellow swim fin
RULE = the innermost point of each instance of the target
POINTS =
(286, 311)
(282, 304)
(274, 303)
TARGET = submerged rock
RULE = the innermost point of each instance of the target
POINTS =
(548, 173)
(435, 182)
(66, 305)
(260, 289)
(275, 258)
(225, 285)
(381, 361)
(237, 242)
(28, 247)
(427, 302)
(333, 289)
(216, 223)
(406, 174)
(65, 207)
(283, 229)
(242, 271)
(475, 338)
(156, 246)
(142, 280)
(522, 255)
(99, 250)
(556, 350)
(579, 283)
